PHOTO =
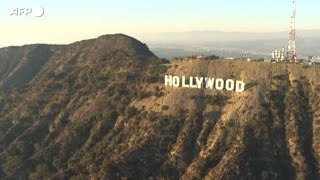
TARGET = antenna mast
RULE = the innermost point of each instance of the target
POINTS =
(292, 51)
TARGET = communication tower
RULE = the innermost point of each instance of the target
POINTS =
(292, 51)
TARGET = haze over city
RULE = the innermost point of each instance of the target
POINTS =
(66, 22)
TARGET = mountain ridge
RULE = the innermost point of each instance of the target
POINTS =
(101, 45)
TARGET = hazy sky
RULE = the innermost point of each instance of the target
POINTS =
(65, 21)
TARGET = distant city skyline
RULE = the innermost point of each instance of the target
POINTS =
(69, 21)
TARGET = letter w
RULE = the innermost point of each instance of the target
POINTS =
(209, 83)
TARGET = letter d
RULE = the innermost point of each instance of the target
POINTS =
(240, 86)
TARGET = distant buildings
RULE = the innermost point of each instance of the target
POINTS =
(200, 57)
(279, 55)
(229, 58)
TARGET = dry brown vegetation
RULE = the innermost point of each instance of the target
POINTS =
(90, 110)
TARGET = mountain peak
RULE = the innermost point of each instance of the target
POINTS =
(132, 46)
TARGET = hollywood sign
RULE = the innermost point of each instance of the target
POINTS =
(204, 83)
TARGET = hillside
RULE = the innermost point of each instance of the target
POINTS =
(99, 109)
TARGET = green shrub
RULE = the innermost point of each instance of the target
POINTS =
(130, 111)
(215, 100)
(12, 163)
(42, 172)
